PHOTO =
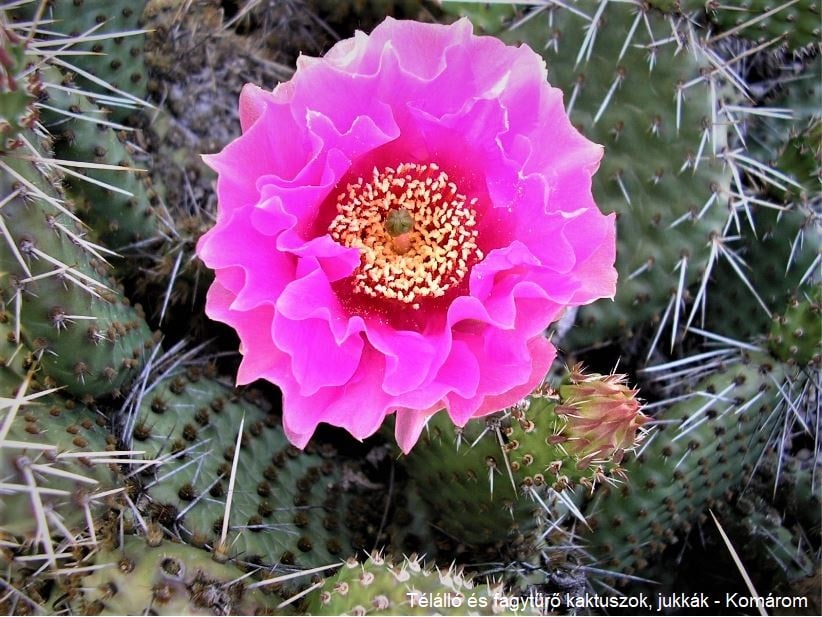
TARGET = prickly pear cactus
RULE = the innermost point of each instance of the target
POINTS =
(462, 475)
(19, 89)
(136, 479)
(137, 578)
(109, 40)
(378, 586)
(62, 450)
(796, 23)
(521, 460)
(59, 463)
(762, 273)
(54, 281)
(717, 431)
(258, 498)
(795, 335)
(110, 191)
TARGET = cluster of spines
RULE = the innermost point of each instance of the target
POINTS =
(704, 445)
(379, 586)
(527, 461)
(136, 577)
(249, 495)
(55, 284)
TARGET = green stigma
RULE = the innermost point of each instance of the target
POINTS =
(398, 222)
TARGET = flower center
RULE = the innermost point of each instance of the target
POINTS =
(415, 232)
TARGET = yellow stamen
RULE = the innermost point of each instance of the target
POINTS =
(414, 230)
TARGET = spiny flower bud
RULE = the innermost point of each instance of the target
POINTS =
(602, 417)
(577, 434)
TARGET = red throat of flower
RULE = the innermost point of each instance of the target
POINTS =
(415, 232)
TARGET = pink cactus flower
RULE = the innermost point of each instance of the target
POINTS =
(397, 226)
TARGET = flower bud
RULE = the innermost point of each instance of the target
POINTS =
(602, 417)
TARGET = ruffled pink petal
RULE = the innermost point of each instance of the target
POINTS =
(409, 356)
(302, 340)
(542, 355)
(258, 154)
(596, 235)
(253, 101)
(253, 325)
(360, 406)
(409, 426)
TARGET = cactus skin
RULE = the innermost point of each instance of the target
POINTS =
(118, 219)
(769, 533)
(801, 158)
(288, 507)
(379, 587)
(490, 18)
(170, 579)
(63, 426)
(574, 437)
(116, 60)
(72, 117)
(58, 446)
(89, 339)
(464, 482)
(506, 526)
(678, 476)
(797, 23)
(795, 336)
(777, 260)
(793, 146)
(18, 90)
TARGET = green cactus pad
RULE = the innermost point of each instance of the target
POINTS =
(170, 579)
(19, 88)
(86, 335)
(111, 64)
(765, 537)
(517, 462)
(705, 446)
(791, 146)
(797, 23)
(379, 587)
(795, 336)
(491, 18)
(288, 507)
(461, 474)
(801, 159)
(57, 463)
(773, 264)
(118, 204)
